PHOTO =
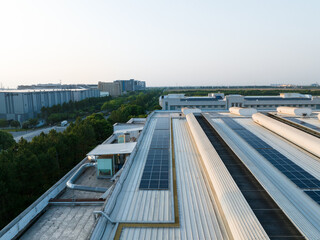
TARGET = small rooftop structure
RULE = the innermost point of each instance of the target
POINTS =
(295, 111)
(295, 95)
(137, 120)
(242, 111)
(216, 95)
(110, 149)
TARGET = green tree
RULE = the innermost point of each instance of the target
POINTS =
(15, 124)
(6, 140)
(33, 122)
(4, 123)
(102, 128)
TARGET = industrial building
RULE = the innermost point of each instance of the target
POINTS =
(193, 174)
(56, 86)
(119, 87)
(218, 101)
(21, 105)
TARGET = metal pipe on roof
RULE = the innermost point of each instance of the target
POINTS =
(104, 215)
(71, 183)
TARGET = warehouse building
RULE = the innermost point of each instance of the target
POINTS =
(203, 175)
(21, 105)
(217, 101)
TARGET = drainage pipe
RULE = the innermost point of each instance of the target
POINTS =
(104, 215)
(71, 183)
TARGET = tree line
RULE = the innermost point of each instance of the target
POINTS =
(28, 169)
(72, 110)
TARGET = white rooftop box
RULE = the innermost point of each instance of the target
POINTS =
(295, 111)
(242, 111)
(294, 95)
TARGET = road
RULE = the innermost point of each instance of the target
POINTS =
(28, 135)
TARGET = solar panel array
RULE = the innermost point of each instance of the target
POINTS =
(155, 175)
(315, 195)
(296, 174)
(303, 123)
(160, 139)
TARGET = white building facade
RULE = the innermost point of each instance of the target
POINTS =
(217, 101)
(21, 105)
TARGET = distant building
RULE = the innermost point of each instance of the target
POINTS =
(217, 101)
(113, 88)
(118, 87)
(25, 104)
(57, 86)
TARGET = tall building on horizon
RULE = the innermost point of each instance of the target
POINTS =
(119, 87)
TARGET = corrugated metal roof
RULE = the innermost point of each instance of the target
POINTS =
(139, 206)
(302, 211)
(199, 218)
(242, 222)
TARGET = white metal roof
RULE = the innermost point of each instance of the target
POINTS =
(242, 221)
(199, 218)
(142, 206)
(128, 130)
(117, 148)
(302, 211)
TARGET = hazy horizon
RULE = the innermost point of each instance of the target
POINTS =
(167, 43)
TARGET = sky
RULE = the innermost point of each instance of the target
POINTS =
(165, 43)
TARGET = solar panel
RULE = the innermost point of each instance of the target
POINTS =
(163, 123)
(303, 123)
(160, 139)
(315, 195)
(295, 173)
(155, 175)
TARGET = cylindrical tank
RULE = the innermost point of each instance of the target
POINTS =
(242, 111)
(302, 139)
(295, 111)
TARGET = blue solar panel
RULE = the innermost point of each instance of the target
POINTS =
(303, 123)
(296, 174)
(315, 195)
(163, 123)
(160, 139)
(155, 175)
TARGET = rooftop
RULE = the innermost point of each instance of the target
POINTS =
(209, 175)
